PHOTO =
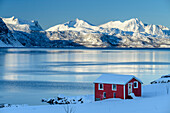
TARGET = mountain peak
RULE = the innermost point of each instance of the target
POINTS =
(133, 20)
(21, 25)
(134, 25)
(13, 17)
(77, 19)
(131, 25)
(78, 23)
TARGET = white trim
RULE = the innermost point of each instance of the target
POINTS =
(136, 84)
(136, 79)
(99, 87)
(124, 91)
(131, 88)
(94, 92)
(114, 89)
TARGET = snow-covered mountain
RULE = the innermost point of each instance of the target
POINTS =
(132, 25)
(130, 33)
(27, 33)
(80, 33)
(22, 25)
(75, 25)
(6, 37)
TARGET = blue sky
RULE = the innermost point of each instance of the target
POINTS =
(52, 12)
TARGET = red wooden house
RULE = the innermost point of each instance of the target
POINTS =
(117, 86)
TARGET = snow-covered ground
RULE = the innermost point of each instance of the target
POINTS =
(163, 79)
(155, 99)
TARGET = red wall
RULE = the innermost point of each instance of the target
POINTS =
(109, 93)
(136, 91)
(119, 92)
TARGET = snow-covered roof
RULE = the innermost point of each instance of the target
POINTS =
(115, 79)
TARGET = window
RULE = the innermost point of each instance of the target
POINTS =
(135, 84)
(104, 94)
(114, 95)
(114, 87)
(100, 86)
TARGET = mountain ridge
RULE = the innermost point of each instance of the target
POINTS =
(80, 33)
(132, 25)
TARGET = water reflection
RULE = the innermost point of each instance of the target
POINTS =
(65, 66)
(81, 65)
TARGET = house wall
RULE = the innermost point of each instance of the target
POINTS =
(109, 92)
(136, 91)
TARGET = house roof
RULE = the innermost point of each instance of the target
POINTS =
(115, 79)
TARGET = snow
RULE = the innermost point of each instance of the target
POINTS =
(6, 37)
(115, 79)
(163, 79)
(155, 99)
(130, 33)
(61, 99)
(80, 33)
(21, 25)
(75, 25)
(133, 95)
(132, 25)
(14, 20)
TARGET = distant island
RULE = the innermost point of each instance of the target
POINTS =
(132, 33)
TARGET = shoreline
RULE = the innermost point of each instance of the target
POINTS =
(85, 48)
(155, 99)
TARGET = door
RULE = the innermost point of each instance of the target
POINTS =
(129, 88)
(114, 95)
(104, 95)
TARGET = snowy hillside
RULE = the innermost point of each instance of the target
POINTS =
(155, 99)
(27, 33)
(135, 25)
(21, 25)
(132, 25)
(131, 33)
(75, 25)
(79, 33)
(6, 37)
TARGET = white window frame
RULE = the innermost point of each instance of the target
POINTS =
(114, 89)
(99, 86)
(136, 84)
(103, 94)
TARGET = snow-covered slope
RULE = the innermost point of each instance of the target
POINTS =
(22, 25)
(75, 25)
(28, 33)
(130, 33)
(6, 37)
(155, 99)
(80, 33)
(133, 25)
(163, 79)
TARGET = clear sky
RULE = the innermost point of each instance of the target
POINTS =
(52, 12)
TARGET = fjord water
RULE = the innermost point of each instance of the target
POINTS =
(27, 74)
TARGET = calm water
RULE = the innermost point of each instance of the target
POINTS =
(28, 75)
